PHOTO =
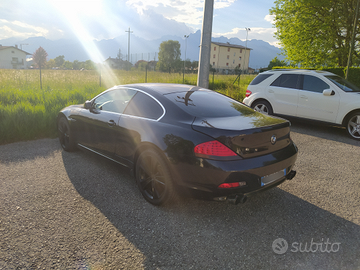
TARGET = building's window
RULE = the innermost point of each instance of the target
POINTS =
(233, 61)
(214, 56)
(213, 63)
(214, 48)
(240, 58)
(228, 56)
(228, 49)
(239, 65)
(227, 64)
(234, 54)
(240, 50)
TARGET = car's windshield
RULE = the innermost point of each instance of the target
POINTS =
(343, 84)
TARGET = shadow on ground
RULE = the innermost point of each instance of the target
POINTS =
(322, 130)
(210, 235)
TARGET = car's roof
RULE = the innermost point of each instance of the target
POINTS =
(164, 88)
(299, 71)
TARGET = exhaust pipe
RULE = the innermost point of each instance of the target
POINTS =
(291, 175)
(236, 199)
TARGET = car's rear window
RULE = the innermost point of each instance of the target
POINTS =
(208, 104)
(259, 78)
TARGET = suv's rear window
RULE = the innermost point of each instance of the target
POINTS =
(208, 104)
(259, 78)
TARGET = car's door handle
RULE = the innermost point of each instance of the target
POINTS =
(303, 96)
(112, 123)
(271, 91)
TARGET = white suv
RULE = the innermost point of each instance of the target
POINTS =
(311, 94)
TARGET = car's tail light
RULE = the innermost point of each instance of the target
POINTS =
(214, 149)
(248, 93)
(232, 185)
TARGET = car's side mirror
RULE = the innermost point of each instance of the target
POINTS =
(87, 105)
(328, 92)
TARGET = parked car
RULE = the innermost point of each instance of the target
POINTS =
(311, 94)
(181, 138)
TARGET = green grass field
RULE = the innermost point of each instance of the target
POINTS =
(28, 112)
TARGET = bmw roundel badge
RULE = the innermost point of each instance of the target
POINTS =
(273, 139)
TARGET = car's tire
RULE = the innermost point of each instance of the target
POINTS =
(262, 106)
(353, 125)
(66, 138)
(154, 178)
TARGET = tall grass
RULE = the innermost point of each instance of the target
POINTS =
(28, 112)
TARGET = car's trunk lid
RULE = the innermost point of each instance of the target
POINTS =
(250, 136)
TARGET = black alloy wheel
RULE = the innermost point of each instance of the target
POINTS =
(262, 106)
(67, 141)
(353, 125)
(154, 178)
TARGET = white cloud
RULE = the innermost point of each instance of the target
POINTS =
(265, 34)
(183, 11)
(269, 18)
(20, 29)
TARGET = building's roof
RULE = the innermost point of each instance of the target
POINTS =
(230, 45)
(7, 47)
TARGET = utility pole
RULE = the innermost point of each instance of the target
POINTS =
(205, 45)
(129, 32)
(352, 39)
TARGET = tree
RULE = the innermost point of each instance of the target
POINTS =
(50, 64)
(315, 32)
(59, 61)
(276, 62)
(39, 58)
(76, 64)
(169, 56)
(68, 65)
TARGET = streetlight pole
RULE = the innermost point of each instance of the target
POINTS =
(186, 37)
(129, 43)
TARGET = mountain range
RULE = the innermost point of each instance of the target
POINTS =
(141, 49)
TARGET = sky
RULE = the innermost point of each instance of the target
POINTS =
(149, 19)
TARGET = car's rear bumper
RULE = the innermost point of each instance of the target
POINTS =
(204, 177)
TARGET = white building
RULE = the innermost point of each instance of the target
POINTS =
(12, 57)
(226, 56)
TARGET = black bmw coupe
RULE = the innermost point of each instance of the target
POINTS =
(182, 138)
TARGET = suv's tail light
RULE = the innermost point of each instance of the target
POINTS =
(248, 93)
(213, 149)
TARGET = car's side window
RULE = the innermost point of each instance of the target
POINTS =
(144, 106)
(314, 84)
(287, 81)
(114, 100)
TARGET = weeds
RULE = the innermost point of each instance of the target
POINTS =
(27, 112)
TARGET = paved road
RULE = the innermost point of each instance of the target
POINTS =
(63, 210)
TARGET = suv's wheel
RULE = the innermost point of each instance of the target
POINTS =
(154, 178)
(353, 125)
(262, 106)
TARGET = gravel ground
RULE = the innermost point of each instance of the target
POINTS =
(62, 210)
